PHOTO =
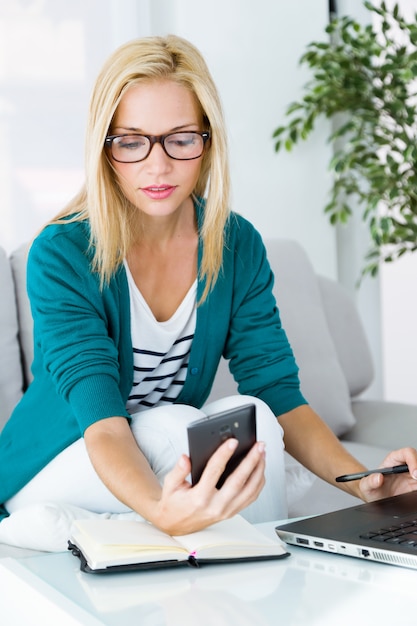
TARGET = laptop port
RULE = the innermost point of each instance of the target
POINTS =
(319, 544)
(302, 541)
(365, 553)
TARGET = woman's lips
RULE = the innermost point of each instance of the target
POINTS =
(158, 192)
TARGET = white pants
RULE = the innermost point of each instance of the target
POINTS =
(161, 434)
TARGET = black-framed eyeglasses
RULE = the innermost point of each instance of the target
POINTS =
(183, 146)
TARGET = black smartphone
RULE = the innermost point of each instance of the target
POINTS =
(207, 434)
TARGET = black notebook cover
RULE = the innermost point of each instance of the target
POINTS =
(191, 561)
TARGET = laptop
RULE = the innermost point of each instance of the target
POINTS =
(383, 531)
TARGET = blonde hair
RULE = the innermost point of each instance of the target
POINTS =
(101, 201)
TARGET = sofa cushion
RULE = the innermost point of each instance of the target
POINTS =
(297, 291)
(300, 303)
(11, 379)
(348, 335)
(383, 423)
(323, 497)
(46, 526)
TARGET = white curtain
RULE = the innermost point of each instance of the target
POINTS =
(50, 53)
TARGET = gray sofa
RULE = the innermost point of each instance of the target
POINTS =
(331, 350)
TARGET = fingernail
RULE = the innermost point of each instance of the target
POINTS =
(261, 447)
(232, 443)
(182, 462)
(415, 475)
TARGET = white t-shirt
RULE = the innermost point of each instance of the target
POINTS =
(160, 349)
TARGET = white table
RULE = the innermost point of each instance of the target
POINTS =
(308, 588)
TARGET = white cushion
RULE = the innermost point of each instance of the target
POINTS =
(303, 316)
(11, 380)
(323, 497)
(47, 526)
(323, 382)
(298, 480)
(390, 425)
(348, 335)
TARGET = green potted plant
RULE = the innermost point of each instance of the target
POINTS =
(364, 80)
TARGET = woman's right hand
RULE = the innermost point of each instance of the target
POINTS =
(177, 507)
(184, 508)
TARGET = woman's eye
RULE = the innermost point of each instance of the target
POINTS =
(182, 140)
(132, 143)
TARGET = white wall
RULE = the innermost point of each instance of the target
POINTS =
(399, 308)
(49, 53)
(353, 242)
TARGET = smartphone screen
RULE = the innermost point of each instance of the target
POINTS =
(207, 434)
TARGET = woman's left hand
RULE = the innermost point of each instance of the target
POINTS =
(377, 486)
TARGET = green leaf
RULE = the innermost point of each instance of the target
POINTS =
(279, 131)
(295, 106)
(330, 206)
(288, 145)
(296, 121)
(413, 36)
(339, 165)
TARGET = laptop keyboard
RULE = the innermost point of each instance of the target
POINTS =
(404, 533)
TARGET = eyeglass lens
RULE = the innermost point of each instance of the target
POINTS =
(182, 146)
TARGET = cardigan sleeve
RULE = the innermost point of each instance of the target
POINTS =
(261, 358)
(76, 325)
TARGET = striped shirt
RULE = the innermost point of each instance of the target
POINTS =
(160, 350)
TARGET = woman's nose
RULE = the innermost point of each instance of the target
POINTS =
(158, 158)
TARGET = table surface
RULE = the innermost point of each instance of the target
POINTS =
(308, 588)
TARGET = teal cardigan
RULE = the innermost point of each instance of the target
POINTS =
(83, 363)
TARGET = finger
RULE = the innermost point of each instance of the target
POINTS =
(250, 462)
(372, 482)
(217, 463)
(177, 476)
(243, 487)
(403, 455)
(408, 456)
(377, 485)
(250, 468)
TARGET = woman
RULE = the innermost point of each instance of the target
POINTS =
(137, 289)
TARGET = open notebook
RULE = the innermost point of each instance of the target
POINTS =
(384, 531)
(104, 545)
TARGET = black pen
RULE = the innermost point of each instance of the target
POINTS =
(397, 469)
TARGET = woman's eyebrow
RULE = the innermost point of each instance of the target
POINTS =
(140, 131)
